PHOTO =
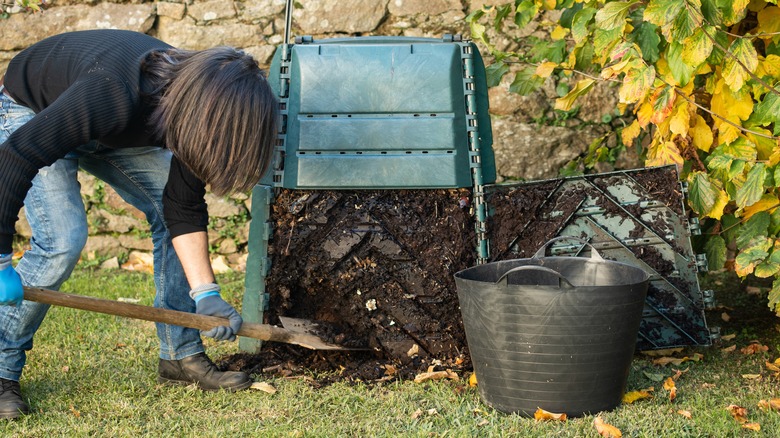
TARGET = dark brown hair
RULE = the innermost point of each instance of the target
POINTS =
(216, 112)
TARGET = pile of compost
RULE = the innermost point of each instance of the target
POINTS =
(376, 269)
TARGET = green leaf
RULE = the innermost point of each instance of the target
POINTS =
(553, 51)
(743, 60)
(740, 149)
(755, 227)
(526, 82)
(501, 13)
(495, 72)
(715, 249)
(770, 266)
(711, 13)
(645, 35)
(753, 188)
(662, 13)
(681, 71)
(613, 15)
(605, 40)
(703, 193)
(698, 47)
(579, 25)
(774, 296)
(754, 253)
(526, 11)
(768, 110)
(687, 21)
(567, 16)
(583, 56)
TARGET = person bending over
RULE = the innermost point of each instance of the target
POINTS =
(156, 123)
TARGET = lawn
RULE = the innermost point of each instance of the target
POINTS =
(92, 374)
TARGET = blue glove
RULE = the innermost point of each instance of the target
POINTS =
(11, 291)
(208, 302)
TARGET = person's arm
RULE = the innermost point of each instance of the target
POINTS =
(193, 252)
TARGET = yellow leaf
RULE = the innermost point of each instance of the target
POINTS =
(728, 337)
(559, 33)
(768, 21)
(633, 396)
(644, 114)
(630, 133)
(262, 386)
(752, 426)
(701, 133)
(542, 415)
(636, 83)
(772, 367)
(771, 404)
(729, 349)
(771, 64)
(680, 120)
(725, 317)
(766, 203)
(566, 102)
(670, 386)
(664, 153)
(686, 414)
(751, 376)
(545, 69)
(606, 430)
(436, 375)
(473, 379)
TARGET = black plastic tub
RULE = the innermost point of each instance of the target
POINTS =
(556, 333)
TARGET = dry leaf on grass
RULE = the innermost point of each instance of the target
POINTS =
(729, 349)
(728, 337)
(436, 375)
(752, 426)
(473, 379)
(606, 430)
(679, 373)
(139, 261)
(754, 348)
(671, 388)
(678, 360)
(725, 317)
(751, 376)
(686, 414)
(542, 415)
(262, 386)
(738, 412)
(633, 396)
(664, 352)
(770, 405)
(772, 366)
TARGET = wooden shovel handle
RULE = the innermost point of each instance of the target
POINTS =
(263, 332)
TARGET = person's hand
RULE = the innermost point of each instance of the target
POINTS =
(209, 302)
(11, 290)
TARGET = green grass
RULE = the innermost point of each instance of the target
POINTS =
(92, 374)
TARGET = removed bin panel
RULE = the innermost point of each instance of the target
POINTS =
(636, 217)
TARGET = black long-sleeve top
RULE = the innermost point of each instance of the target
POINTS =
(85, 86)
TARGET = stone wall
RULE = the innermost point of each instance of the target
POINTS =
(530, 141)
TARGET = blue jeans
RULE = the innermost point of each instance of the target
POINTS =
(58, 220)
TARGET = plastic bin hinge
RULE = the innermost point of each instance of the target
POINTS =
(694, 226)
(268, 230)
(708, 299)
(265, 266)
(714, 334)
(701, 262)
(265, 305)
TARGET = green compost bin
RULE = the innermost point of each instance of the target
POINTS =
(370, 113)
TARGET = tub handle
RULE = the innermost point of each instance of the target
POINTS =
(594, 255)
(564, 283)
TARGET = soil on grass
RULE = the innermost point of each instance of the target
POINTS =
(376, 270)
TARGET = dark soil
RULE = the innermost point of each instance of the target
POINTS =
(376, 269)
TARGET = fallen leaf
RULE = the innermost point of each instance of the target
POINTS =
(753, 290)
(542, 415)
(708, 385)
(725, 317)
(738, 412)
(436, 375)
(771, 404)
(686, 414)
(729, 349)
(671, 387)
(754, 348)
(75, 411)
(65, 369)
(482, 423)
(752, 426)
(390, 370)
(139, 261)
(728, 337)
(606, 430)
(473, 379)
(262, 386)
(664, 352)
(655, 377)
(677, 361)
(633, 396)
(678, 373)
(751, 376)
(459, 361)
(413, 351)
(417, 414)
(432, 411)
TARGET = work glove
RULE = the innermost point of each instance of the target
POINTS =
(11, 290)
(209, 302)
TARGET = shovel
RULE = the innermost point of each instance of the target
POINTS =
(263, 332)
